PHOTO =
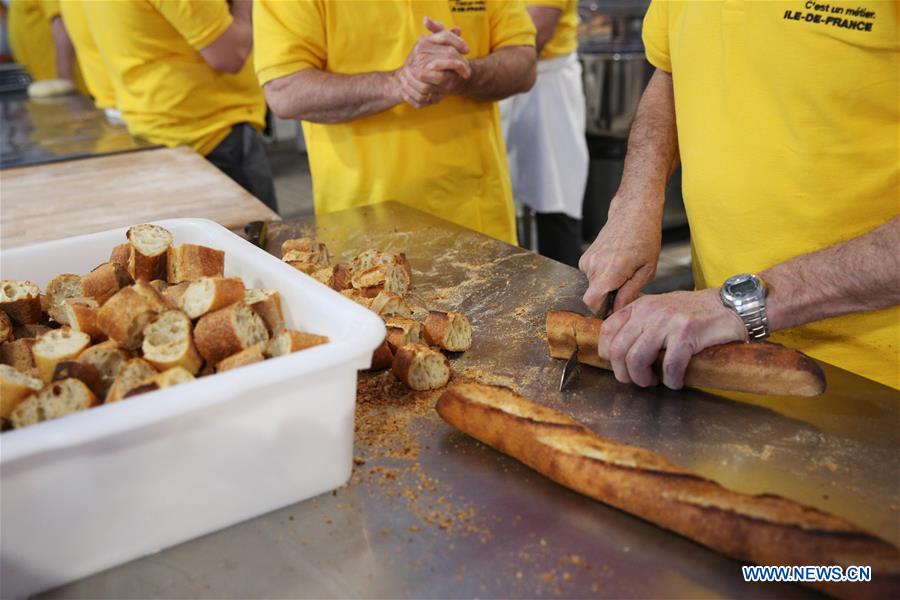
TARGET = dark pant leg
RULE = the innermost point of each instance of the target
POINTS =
(559, 237)
(242, 156)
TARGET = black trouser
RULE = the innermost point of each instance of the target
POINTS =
(242, 156)
(559, 237)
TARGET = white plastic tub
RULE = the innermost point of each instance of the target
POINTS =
(95, 489)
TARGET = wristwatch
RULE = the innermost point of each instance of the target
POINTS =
(745, 294)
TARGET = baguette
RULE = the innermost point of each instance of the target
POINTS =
(389, 304)
(21, 301)
(358, 297)
(248, 356)
(147, 255)
(289, 341)
(168, 378)
(124, 317)
(30, 330)
(17, 354)
(174, 293)
(420, 367)
(132, 374)
(61, 288)
(55, 346)
(15, 386)
(382, 357)
(229, 330)
(389, 277)
(402, 331)
(104, 281)
(765, 529)
(168, 343)
(306, 244)
(119, 257)
(337, 277)
(448, 330)
(81, 315)
(267, 304)
(209, 294)
(82, 371)
(108, 359)
(157, 300)
(757, 368)
(6, 328)
(56, 400)
(371, 258)
(190, 262)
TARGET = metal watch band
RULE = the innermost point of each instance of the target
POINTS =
(756, 322)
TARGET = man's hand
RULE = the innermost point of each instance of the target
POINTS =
(682, 323)
(435, 68)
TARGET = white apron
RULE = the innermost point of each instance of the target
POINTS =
(545, 144)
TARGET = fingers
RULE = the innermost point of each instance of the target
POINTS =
(631, 289)
(448, 38)
(616, 338)
(459, 66)
(675, 363)
(640, 357)
(432, 25)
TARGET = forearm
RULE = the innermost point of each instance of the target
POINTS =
(322, 97)
(858, 275)
(505, 72)
(65, 52)
(652, 151)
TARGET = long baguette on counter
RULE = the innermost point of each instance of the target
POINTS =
(756, 368)
(764, 529)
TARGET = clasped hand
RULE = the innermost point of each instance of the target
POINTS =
(436, 66)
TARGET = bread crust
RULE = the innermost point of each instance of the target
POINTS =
(21, 301)
(402, 331)
(48, 403)
(765, 529)
(119, 256)
(448, 330)
(757, 368)
(124, 317)
(6, 328)
(56, 346)
(132, 374)
(82, 371)
(144, 265)
(216, 334)
(17, 354)
(15, 386)
(108, 359)
(225, 291)
(267, 304)
(389, 304)
(389, 277)
(382, 357)
(190, 262)
(410, 361)
(104, 281)
(247, 356)
(289, 341)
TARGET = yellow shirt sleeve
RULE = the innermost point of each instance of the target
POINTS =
(656, 35)
(510, 24)
(288, 37)
(50, 8)
(200, 23)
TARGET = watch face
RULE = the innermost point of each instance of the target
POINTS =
(743, 288)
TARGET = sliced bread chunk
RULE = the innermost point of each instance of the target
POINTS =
(319, 250)
(448, 330)
(132, 374)
(147, 256)
(402, 331)
(168, 378)
(307, 262)
(168, 342)
(371, 258)
(229, 330)
(190, 262)
(6, 328)
(30, 330)
(21, 300)
(55, 346)
(420, 367)
(209, 294)
(173, 293)
(104, 281)
(57, 399)
(81, 315)
(358, 297)
(382, 357)
(85, 372)
(124, 317)
(153, 296)
(389, 304)
(267, 304)
(17, 354)
(15, 386)
(119, 257)
(59, 289)
(253, 354)
(108, 359)
(290, 340)
(337, 277)
(390, 278)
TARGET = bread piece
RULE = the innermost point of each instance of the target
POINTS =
(56, 400)
(190, 262)
(168, 378)
(371, 258)
(402, 331)
(119, 257)
(153, 296)
(382, 357)
(168, 342)
(267, 304)
(318, 250)
(108, 359)
(161, 285)
(389, 304)
(390, 278)
(132, 374)
(337, 277)
(17, 354)
(209, 294)
(30, 330)
(6, 328)
(15, 386)
(308, 262)
(765, 529)
(21, 301)
(59, 289)
(358, 297)
(174, 293)
(290, 340)
(82, 371)
(147, 256)
(253, 354)
(104, 281)
(448, 330)
(81, 315)
(55, 346)
(227, 331)
(124, 317)
(756, 368)
(420, 367)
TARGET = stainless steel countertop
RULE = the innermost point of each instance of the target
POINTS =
(37, 131)
(430, 512)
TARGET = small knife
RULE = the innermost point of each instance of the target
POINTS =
(571, 367)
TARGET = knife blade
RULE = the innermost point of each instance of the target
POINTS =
(570, 369)
(257, 232)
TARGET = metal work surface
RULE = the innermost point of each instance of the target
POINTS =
(430, 512)
(44, 130)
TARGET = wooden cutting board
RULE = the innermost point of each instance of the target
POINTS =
(57, 200)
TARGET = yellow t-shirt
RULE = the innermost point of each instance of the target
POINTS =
(90, 63)
(788, 126)
(565, 39)
(164, 89)
(447, 159)
(31, 39)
